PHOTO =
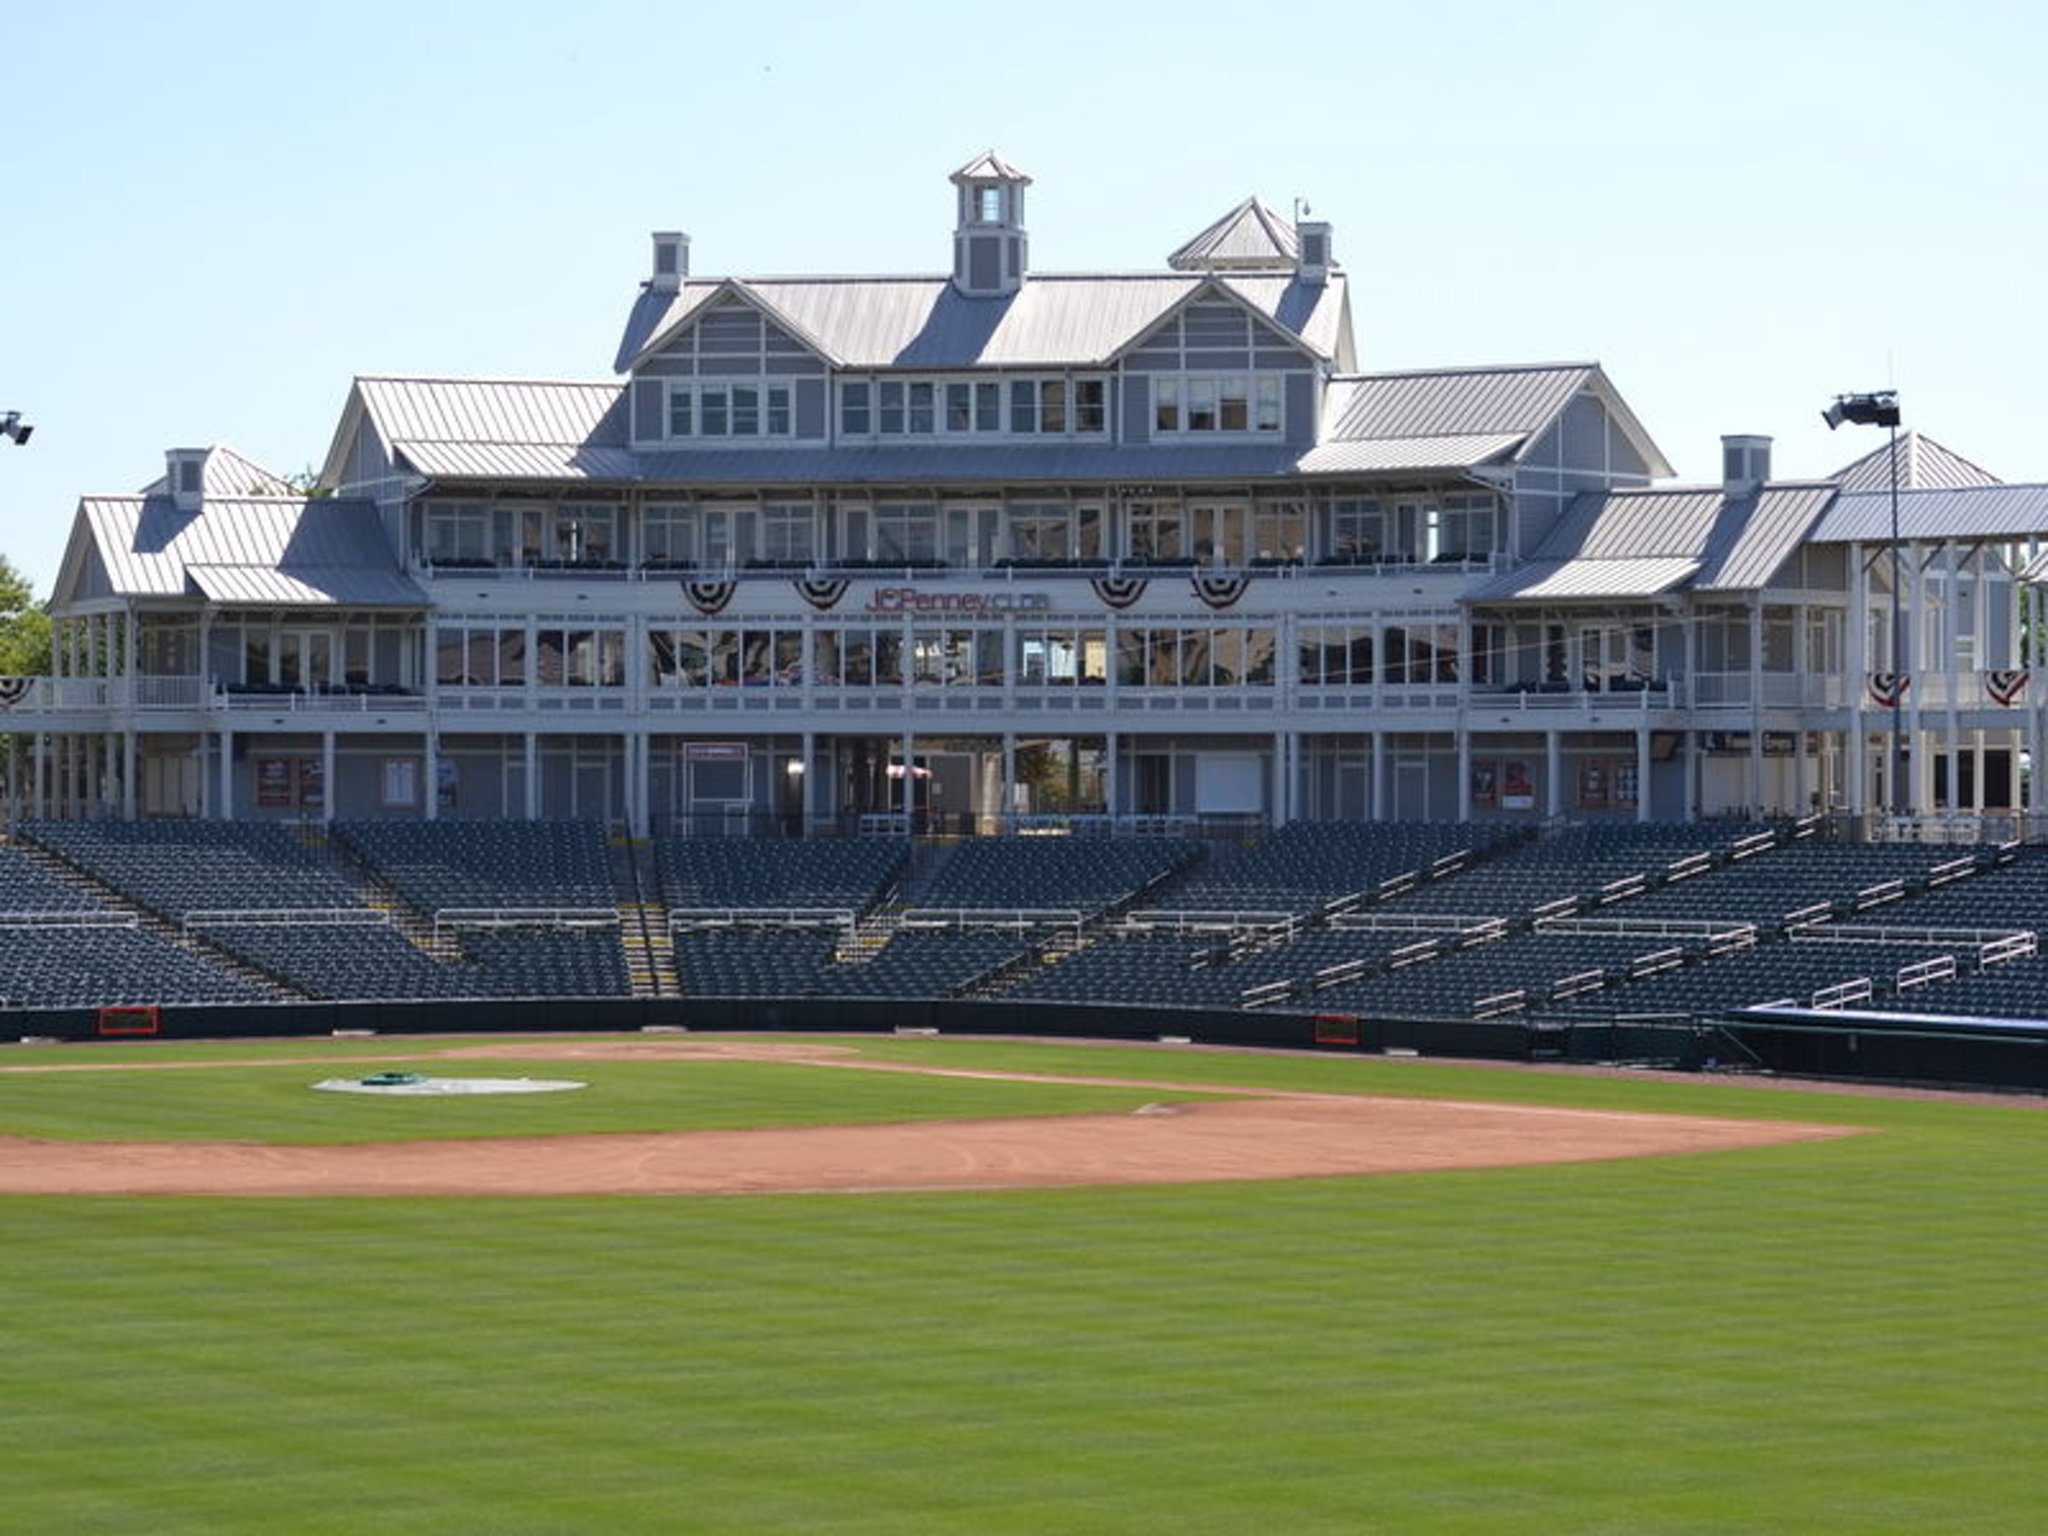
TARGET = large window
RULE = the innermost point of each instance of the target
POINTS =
(1216, 403)
(1035, 407)
(1195, 658)
(479, 656)
(729, 408)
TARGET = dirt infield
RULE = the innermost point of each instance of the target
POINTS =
(1261, 1135)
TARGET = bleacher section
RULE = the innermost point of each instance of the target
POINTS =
(719, 873)
(1084, 874)
(1306, 866)
(175, 868)
(439, 866)
(1619, 921)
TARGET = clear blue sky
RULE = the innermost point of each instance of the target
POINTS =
(215, 214)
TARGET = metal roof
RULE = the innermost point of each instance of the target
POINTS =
(1755, 536)
(1924, 464)
(1586, 580)
(1411, 453)
(989, 166)
(151, 547)
(1054, 320)
(1984, 512)
(493, 410)
(1251, 235)
(304, 587)
(1454, 401)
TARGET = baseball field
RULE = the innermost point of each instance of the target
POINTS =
(939, 1285)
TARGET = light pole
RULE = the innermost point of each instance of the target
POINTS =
(1881, 409)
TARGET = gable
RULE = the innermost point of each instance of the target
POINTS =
(1215, 332)
(730, 336)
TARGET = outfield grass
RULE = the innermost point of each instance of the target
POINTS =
(1836, 1336)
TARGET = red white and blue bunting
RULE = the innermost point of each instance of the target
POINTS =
(1118, 592)
(709, 597)
(13, 690)
(822, 593)
(1221, 591)
(2006, 684)
(1889, 688)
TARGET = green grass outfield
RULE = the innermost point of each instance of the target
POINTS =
(1839, 1336)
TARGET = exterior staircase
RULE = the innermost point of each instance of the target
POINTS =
(643, 920)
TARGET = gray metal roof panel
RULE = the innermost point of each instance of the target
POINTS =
(1250, 235)
(149, 544)
(494, 410)
(1987, 511)
(1755, 536)
(305, 587)
(1054, 320)
(1413, 453)
(1586, 580)
(1456, 400)
(1924, 464)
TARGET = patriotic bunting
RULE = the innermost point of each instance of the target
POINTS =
(1118, 592)
(1888, 688)
(822, 593)
(13, 690)
(1221, 591)
(709, 597)
(2006, 684)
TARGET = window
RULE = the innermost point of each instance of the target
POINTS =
(970, 407)
(1224, 402)
(729, 408)
(854, 420)
(1357, 531)
(988, 205)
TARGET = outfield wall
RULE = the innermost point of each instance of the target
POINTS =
(1871, 1047)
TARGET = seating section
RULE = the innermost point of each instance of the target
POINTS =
(173, 868)
(26, 887)
(1305, 866)
(928, 962)
(88, 966)
(753, 962)
(1085, 874)
(487, 865)
(743, 874)
(1427, 921)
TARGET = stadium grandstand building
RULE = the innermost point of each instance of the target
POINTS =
(998, 548)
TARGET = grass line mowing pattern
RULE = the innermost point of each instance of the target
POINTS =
(275, 1104)
(1828, 1337)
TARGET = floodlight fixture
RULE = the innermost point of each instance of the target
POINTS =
(1878, 409)
(12, 426)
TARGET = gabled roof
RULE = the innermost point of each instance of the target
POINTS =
(1924, 464)
(1637, 544)
(263, 550)
(1056, 320)
(1249, 237)
(1502, 410)
(528, 414)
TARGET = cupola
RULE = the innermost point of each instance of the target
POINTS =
(990, 248)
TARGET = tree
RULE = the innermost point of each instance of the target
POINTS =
(24, 626)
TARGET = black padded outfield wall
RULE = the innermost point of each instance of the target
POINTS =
(1959, 1053)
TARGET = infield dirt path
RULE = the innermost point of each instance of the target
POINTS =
(1259, 1135)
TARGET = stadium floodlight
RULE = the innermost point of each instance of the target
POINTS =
(1880, 408)
(11, 425)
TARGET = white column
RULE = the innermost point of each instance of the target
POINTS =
(225, 810)
(1553, 773)
(532, 746)
(1009, 791)
(327, 778)
(1643, 772)
(1856, 742)
(129, 804)
(430, 774)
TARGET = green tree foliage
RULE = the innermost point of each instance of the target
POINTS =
(24, 626)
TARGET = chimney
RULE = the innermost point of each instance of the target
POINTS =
(1745, 464)
(185, 474)
(1312, 241)
(671, 261)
